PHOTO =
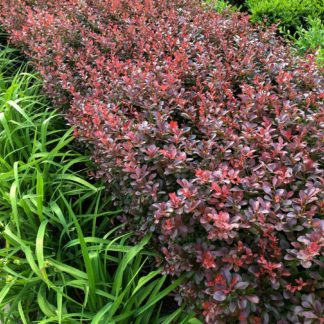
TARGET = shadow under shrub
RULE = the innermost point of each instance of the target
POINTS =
(208, 131)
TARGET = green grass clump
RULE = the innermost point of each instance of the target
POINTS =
(61, 260)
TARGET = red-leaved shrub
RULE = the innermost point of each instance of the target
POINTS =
(208, 131)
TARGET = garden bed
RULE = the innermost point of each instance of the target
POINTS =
(206, 130)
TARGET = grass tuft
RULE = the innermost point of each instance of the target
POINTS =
(60, 260)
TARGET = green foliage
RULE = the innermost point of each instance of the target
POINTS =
(60, 263)
(311, 38)
(292, 14)
(298, 20)
(222, 5)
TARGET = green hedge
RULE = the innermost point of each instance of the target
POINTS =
(291, 14)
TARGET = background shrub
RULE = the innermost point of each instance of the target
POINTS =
(208, 131)
(222, 5)
(291, 14)
(311, 38)
(300, 21)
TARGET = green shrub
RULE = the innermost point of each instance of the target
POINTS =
(311, 38)
(292, 14)
(222, 5)
(299, 20)
(60, 259)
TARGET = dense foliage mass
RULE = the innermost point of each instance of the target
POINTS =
(290, 13)
(300, 21)
(209, 133)
(311, 38)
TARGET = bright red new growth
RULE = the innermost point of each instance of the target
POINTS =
(207, 130)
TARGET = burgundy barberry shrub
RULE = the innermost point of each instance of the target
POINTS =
(208, 131)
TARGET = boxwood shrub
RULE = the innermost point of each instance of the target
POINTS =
(290, 14)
